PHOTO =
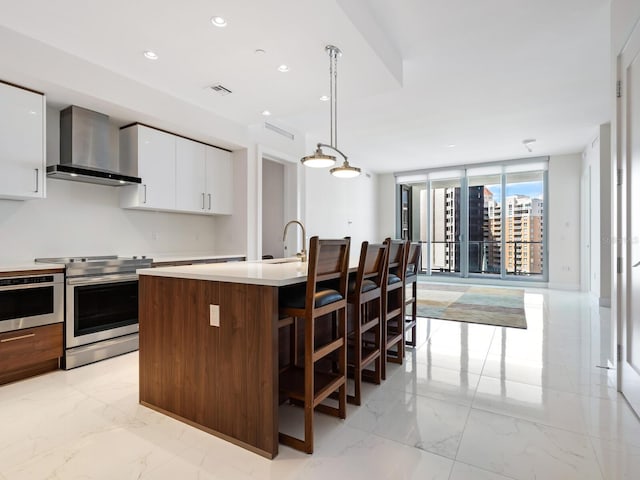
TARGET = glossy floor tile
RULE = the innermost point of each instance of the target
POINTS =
(470, 402)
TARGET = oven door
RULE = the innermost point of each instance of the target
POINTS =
(101, 308)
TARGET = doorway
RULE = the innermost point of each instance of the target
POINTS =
(273, 208)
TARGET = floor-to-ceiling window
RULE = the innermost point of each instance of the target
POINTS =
(479, 221)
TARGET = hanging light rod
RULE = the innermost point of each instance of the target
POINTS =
(319, 159)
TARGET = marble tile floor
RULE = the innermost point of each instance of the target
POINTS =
(471, 402)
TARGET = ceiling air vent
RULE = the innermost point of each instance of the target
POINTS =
(279, 131)
(220, 89)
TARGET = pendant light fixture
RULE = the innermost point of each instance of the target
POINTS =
(319, 159)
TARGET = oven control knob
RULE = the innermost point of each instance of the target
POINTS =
(135, 257)
(143, 256)
(83, 259)
(71, 260)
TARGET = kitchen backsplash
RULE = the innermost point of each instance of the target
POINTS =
(85, 219)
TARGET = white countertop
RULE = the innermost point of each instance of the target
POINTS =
(195, 257)
(265, 272)
(26, 266)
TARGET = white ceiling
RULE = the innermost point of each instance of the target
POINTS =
(416, 75)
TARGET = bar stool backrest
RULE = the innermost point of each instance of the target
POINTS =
(397, 249)
(328, 260)
(372, 264)
(414, 253)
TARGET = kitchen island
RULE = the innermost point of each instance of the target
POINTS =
(209, 346)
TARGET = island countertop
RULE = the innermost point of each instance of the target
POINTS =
(276, 273)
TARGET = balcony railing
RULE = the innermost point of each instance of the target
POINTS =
(523, 258)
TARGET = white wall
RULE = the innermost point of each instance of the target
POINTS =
(85, 219)
(596, 159)
(232, 232)
(563, 218)
(590, 215)
(606, 189)
(386, 206)
(337, 207)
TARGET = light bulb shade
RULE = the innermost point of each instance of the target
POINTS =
(318, 160)
(345, 171)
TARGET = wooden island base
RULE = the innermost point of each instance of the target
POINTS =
(223, 380)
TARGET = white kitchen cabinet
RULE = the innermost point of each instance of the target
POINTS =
(22, 145)
(178, 174)
(155, 153)
(190, 176)
(219, 181)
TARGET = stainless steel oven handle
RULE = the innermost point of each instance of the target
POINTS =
(80, 281)
(29, 286)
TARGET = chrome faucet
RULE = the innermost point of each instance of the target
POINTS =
(303, 253)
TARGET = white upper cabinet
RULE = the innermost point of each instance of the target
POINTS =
(178, 174)
(219, 175)
(190, 178)
(155, 153)
(22, 146)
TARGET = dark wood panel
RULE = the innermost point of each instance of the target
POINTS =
(223, 379)
(29, 371)
(49, 271)
(29, 351)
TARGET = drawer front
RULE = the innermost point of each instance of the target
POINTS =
(29, 346)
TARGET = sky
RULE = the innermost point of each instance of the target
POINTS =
(531, 189)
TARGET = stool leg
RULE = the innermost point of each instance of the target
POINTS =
(357, 349)
(308, 384)
(342, 392)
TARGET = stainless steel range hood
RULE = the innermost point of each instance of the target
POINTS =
(89, 150)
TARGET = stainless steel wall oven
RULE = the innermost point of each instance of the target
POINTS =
(28, 301)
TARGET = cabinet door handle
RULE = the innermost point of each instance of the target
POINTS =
(209, 201)
(37, 180)
(203, 200)
(145, 193)
(13, 339)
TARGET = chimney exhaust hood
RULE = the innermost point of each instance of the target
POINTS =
(89, 150)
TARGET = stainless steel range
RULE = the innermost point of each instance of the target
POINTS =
(101, 312)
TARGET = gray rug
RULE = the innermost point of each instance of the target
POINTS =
(503, 307)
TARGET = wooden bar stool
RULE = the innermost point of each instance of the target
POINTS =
(414, 253)
(322, 303)
(365, 308)
(393, 304)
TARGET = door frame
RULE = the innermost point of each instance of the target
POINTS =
(624, 242)
(293, 197)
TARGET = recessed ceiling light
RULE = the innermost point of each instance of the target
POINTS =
(451, 145)
(283, 68)
(151, 55)
(266, 113)
(324, 98)
(218, 21)
(259, 51)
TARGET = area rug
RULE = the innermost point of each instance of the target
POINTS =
(503, 307)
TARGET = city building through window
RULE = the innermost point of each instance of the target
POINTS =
(478, 221)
